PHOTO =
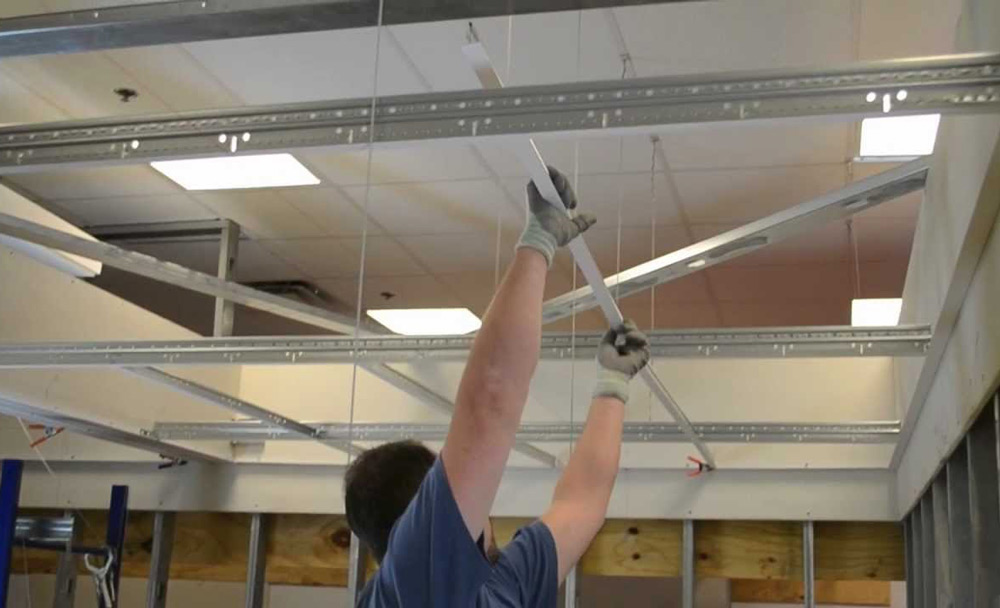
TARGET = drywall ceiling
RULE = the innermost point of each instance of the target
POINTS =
(441, 220)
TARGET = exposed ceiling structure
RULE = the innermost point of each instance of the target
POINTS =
(434, 214)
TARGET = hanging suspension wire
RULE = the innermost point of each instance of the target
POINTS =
(364, 225)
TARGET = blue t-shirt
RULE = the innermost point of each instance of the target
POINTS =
(433, 561)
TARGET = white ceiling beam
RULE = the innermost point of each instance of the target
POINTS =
(954, 84)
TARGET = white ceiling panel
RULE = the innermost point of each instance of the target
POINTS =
(755, 145)
(881, 239)
(333, 212)
(421, 291)
(253, 261)
(698, 37)
(316, 257)
(384, 256)
(413, 163)
(636, 244)
(883, 279)
(262, 213)
(18, 104)
(455, 253)
(908, 28)
(136, 209)
(742, 195)
(756, 313)
(306, 67)
(827, 281)
(436, 207)
(133, 180)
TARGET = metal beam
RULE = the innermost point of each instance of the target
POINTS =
(160, 232)
(571, 590)
(445, 406)
(908, 557)
(808, 565)
(984, 504)
(225, 310)
(851, 199)
(257, 561)
(116, 27)
(942, 539)
(954, 84)
(633, 432)
(928, 569)
(917, 553)
(173, 274)
(960, 526)
(687, 565)
(102, 431)
(159, 566)
(777, 342)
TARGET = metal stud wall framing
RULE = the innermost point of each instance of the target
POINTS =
(953, 532)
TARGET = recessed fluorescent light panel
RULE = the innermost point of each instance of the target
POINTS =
(875, 312)
(427, 321)
(899, 136)
(236, 172)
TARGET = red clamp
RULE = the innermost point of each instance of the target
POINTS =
(48, 432)
(703, 467)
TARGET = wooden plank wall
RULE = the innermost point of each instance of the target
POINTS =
(313, 549)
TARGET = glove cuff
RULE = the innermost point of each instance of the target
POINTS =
(537, 238)
(612, 383)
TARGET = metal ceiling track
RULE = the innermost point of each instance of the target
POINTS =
(715, 343)
(951, 84)
(853, 198)
(633, 432)
(135, 25)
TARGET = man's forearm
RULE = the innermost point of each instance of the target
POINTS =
(590, 475)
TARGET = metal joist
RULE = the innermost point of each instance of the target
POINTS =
(917, 559)
(257, 561)
(984, 502)
(687, 565)
(960, 83)
(752, 343)
(851, 199)
(164, 523)
(808, 565)
(633, 432)
(942, 539)
(927, 559)
(960, 527)
(173, 274)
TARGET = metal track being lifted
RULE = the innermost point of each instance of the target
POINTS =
(960, 83)
(775, 342)
(634, 432)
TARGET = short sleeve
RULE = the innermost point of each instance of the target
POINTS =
(528, 569)
(432, 560)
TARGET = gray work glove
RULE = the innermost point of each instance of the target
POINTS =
(549, 227)
(624, 351)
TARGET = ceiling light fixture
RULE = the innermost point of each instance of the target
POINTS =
(237, 172)
(898, 137)
(427, 321)
(875, 312)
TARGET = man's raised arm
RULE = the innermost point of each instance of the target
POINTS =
(582, 494)
(504, 354)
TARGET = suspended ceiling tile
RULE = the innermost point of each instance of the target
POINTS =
(792, 281)
(880, 239)
(435, 207)
(668, 315)
(883, 279)
(202, 256)
(907, 206)
(790, 312)
(828, 243)
(132, 180)
(597, 154)
(306, 66)
(316, 257)
(636, 244)
(455, 253)
(421, 291)
(692, 288)
(413, 163)
(908, 28)
(20, 105)
(18, 8)
(263, 213)
(756, 145)
(255, 262)
(476, 289)
(171, 74)
(137, 209)
(383, 256)
(699, 37)
(642, 200)
(743, 195)
(334, 213)
(81, 84)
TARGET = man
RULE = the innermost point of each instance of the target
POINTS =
(426, 518)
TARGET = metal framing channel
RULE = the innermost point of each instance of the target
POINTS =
(942, 539)
(445, 406)
(928, 572)
(64, 595)
(571, 593)
(159, 567)
(687, 565)
(984, 508)
(960, 83)
(357, 569)
(960, 527)
(808, 565)
(114, 538)
(777, 342)
(225, 310)
(103, 431)
(633, 432)
(10, 494)
(851, 199)
(173, 274)
(257, 561)
(184, 21)
(917, 556)
(908, 559)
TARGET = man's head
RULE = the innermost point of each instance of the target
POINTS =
(378, 487)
